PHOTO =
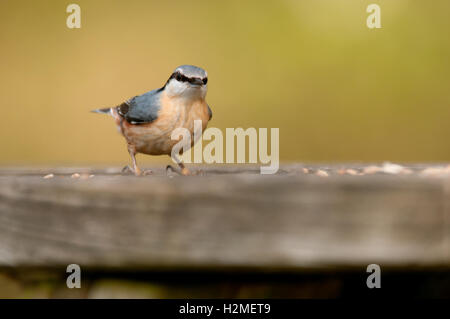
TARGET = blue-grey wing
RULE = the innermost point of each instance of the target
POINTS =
(141, 109)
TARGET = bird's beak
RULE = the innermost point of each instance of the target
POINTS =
(197, 82)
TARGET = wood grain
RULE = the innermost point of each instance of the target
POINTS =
(230, 217)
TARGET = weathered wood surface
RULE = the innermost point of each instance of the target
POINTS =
(229, 217)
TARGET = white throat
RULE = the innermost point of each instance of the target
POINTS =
(185, 91)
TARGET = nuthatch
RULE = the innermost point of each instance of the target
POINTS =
(147, 121)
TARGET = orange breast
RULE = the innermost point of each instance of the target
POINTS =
(155, 138)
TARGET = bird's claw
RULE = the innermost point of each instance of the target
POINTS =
(127, 169)
(184, 171)
(199, 172)
(138, 172)
(169, 167)
(147, 172)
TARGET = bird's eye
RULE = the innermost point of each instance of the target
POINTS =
(178, 77)
(205, 80)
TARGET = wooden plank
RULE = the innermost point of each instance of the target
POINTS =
(230, 217)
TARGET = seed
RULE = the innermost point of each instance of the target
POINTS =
(390, 168)
(321, 173)
(435, 171)
(406, 171)
(372, 169)
(49, 176)
(351, 171)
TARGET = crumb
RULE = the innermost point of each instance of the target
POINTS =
(406, 171)
(372, 169)
(390, 168)
(351, 171)
(321, 173)
(436, 171)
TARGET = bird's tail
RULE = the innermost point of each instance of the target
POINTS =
(106, 110)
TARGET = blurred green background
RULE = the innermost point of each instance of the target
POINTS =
(337, 90)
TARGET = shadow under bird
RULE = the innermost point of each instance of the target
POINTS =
(147, 121)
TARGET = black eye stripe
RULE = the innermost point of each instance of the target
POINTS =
(182, 78)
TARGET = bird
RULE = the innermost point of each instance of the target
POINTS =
(146, 121)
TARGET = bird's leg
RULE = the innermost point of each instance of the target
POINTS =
(184, 171)
(135, 169)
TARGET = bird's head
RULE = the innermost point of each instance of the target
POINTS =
(188, 81)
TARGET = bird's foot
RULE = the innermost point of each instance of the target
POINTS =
(137, 171)
(184, 171)
(169, 168)
(146, 172)
(127, 169)
(199, 172)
